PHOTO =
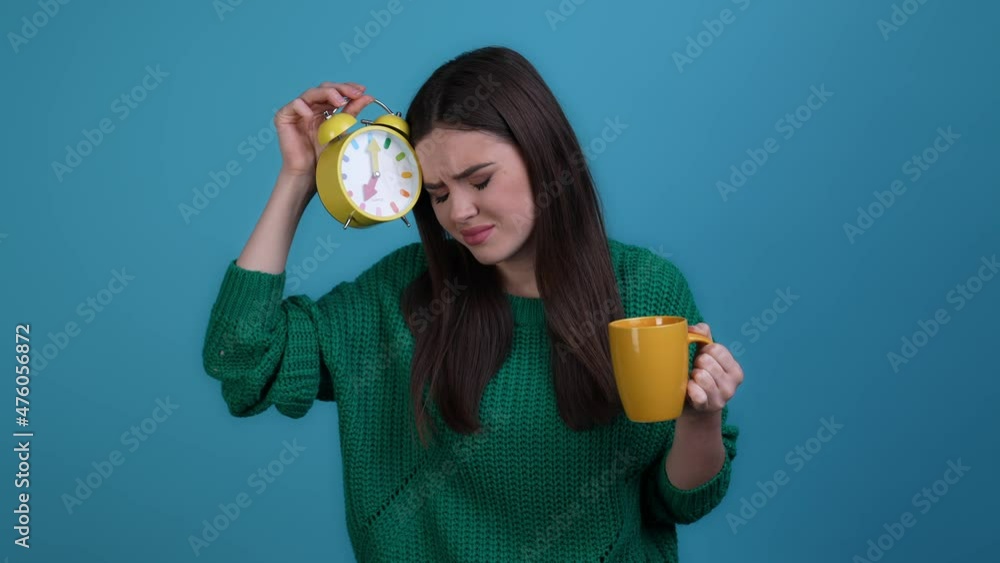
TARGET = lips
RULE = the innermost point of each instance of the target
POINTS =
(475, 230)
(476, 235)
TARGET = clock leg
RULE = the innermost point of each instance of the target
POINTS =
(405, 221)
(346, 224)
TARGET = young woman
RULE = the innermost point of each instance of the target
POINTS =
(478, 413)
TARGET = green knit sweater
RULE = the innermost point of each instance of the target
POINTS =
(526, 488)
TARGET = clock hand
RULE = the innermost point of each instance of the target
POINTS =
(373, 150)
(368, 190)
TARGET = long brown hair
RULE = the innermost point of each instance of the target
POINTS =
(496, 90)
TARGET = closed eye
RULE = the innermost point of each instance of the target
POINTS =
(482, 186)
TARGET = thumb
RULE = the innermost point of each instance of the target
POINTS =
(701, 328)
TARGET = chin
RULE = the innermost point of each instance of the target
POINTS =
(491, 252)
(484, 255)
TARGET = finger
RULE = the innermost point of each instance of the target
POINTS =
(708, 362)
(316, 100)
(353, 101)
(355, 106)
(297, 108)
(702, 328)
(697, 396)
(724, 380)
(726, 360)
(332, 94)
(705, 380)
(329, 94)
(355, 85)
(319, 109)
(351, 84)
(347, 90)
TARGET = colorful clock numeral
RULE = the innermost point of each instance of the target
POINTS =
(398, 170)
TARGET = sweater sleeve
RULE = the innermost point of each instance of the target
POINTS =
(266, 350)
(668, 504)
(669, 290)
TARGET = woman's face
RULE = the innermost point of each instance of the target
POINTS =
(480, 192)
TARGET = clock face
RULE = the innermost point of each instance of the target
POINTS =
(380, 173)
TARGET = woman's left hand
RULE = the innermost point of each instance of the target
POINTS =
(715, 376)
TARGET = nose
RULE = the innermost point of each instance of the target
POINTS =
(463, 206)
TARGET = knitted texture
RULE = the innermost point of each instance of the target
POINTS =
(525, 488)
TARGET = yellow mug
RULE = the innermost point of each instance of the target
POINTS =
(651, 361)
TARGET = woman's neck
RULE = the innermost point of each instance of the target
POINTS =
(517, 273)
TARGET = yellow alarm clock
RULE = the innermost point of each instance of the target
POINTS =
(370, 175)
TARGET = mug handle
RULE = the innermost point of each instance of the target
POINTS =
(694, 337)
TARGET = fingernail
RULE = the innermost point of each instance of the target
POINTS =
(357, 92)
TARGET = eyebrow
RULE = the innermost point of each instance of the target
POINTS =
(460, 176)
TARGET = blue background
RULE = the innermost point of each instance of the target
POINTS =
(62, 238)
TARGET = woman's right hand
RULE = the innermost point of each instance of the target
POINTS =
(298, 122)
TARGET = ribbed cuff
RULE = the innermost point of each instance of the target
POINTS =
(691, 504)
(247, 292)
